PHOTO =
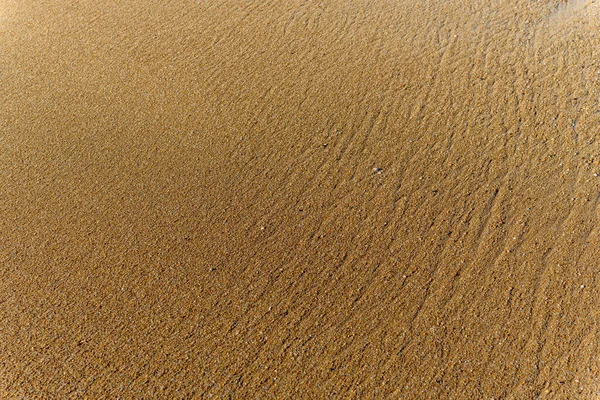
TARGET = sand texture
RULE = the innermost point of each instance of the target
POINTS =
(291, 199)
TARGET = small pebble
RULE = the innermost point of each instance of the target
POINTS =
(378, 170)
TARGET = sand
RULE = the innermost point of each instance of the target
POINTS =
(299, 199)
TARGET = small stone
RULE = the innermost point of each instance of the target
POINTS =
(378, 170)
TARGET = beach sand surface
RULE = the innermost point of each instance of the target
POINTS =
(299, 199)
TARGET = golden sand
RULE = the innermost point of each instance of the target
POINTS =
(299, 199)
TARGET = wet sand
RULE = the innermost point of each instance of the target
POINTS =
(291, 199)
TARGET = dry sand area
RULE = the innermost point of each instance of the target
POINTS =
(292, 199)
